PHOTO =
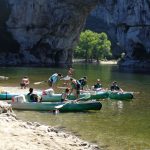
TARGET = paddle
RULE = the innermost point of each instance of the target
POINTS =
(62, 87)
(69, 101)
(36, 83)
(66, 78)
(3, 78)
(135, 92)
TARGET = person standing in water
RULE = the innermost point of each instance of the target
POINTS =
(70, 72)
(53, 79)
(24, 82)
(75, 87)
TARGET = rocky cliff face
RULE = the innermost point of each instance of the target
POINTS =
(127, 23)
(41, 32)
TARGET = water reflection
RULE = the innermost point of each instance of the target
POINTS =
(117, 105)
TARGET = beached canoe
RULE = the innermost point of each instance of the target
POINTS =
(50, 106)
(120, 95)
(7, 95)
(49, 95)
(57, 97)
(20, 103)
(99, 95)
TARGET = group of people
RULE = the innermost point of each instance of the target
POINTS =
(73, 85)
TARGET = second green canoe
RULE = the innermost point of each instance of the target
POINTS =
(120, 95)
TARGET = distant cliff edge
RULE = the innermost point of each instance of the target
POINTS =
(127, 24)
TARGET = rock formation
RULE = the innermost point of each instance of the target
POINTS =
(41, 32)
(128, 26)
(44, 32)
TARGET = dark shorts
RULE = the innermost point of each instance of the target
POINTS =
(62, 100)
(50, 82)
(22, 84)
(78, 91)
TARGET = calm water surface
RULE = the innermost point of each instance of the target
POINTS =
(119, 125)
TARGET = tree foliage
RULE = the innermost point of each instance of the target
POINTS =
(93, 46)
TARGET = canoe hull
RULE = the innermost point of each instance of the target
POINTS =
(93, 95)
(121, 96)
(48, 106)
(57, 97)
(6, 96)
(99, 95)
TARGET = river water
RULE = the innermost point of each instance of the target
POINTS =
(119, 125)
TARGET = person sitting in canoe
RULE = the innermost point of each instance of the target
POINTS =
(33, 97)
(64, 95)
(75, 87)
(97, 86)
(83, 82)
(115, 87)
(53, 79)
(24, 82)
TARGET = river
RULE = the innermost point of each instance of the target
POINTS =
(119, 125)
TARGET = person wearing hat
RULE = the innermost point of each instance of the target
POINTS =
(53, 79)
(98, 85)
(65, 95)
(115, 87)
(83, 82)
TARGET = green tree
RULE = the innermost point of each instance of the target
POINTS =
(93, 46)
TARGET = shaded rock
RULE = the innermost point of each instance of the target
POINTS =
(41, 32)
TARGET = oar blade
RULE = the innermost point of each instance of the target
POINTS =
(62, 87)
(36, 83)
(67, 78)
(59, 106)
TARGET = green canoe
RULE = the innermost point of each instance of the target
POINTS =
(120, 95)
(57, 97)
(7, 96)
(49, 96)
(99, 95)
(64, 107)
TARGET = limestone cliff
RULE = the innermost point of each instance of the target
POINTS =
(127, 23)
(44, 32)
(41, 32)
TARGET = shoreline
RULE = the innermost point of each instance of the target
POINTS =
(109, 62)
(21, 135)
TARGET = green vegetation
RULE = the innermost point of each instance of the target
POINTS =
(93, 46)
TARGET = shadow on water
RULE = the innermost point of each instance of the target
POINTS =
(132, 70)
